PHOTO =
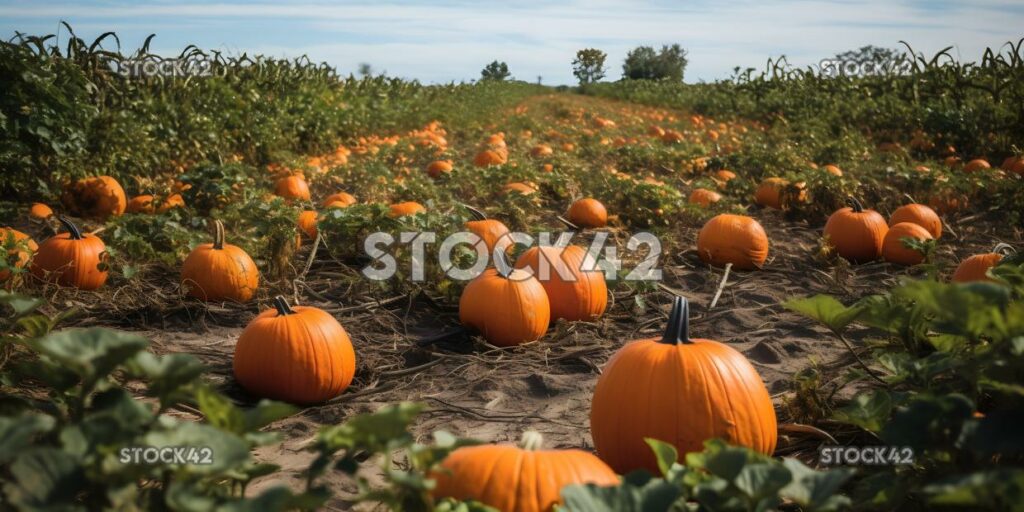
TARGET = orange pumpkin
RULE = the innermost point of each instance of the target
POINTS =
(519, 188)
(769, 192)
(40, 211)
(833, 170)
(704, 197)
(735, 239)
(406, 208)
(296, 354)
(438, 167)
(172, 201)
(978, 164)
(19, 248)
(724, 176)
(918, 214)
(98, 197)
(856, 233)
(141, 204)
(679, 390)
(508, 306)
(975, 267)
(588, 213)
(339, 200)
(541, 150)
(292, 188)
(573, 293)
(489, 230)
(489, 157)
(307, 223)
(893, 249)
(220, 271)
(517, 479)
(72, 258)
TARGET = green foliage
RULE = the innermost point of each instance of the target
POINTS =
(588, 66)
(495, 71)
(644, 63)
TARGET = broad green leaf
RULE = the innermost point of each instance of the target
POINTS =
(665, 453)
(825, 309)
(762, 480)
(637, 494)
(816, 490)
(166, 375)
(21, 304)
(45, 478)
(91, 353)
(226, 450)
(17, 432)
(869, 410)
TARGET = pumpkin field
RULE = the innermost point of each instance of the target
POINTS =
(188, 270)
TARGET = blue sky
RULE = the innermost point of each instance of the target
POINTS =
(451, 40)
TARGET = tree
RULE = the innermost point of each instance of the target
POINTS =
(365, 69)
(495, 71)
(644, 63)
(589, 65)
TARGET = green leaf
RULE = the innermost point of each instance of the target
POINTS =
(21, 304)
(90, 353)
(638, 492)
(816, 490)
(825, 309)
(666, 454)
(868, 410)
(226, 450)
(762, 480)
(17, 432)
(996, 489)
(45, 477)
(167, 375)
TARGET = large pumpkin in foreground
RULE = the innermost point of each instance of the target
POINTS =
(72, 259)
(517, 478)
(296, 354)
(735, 239)
(681, 391)
(574, 293)
(220, 271)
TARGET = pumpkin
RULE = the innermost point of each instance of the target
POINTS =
(339, 200)
(918, 214)
(856, 233)
(307, 223)
(573, 293)
(736, 239)
(704, 197)
(438, 167)
(975, 267)
(292, 188)
(98, 197)
(72, 258)
(588, 213)
(141, 204)
(893, 249)
(406, 208)
(296, 354)
(220, 271)
(489, 230)
(541, 150)
(19, 247)
(489, 157)
(679, 390)
(769, 192)
(978, 164)
(39, 211)
(172, 201)
(508, 306)
(833, 170)
(519, 188)
(520, 478)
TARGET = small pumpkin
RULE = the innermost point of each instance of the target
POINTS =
(519, 188)
(736, 239)
(438, 167)
(141, 204)
(296, 354)
(220, 271)
(541, 150)
(679, 390)
(19, 248)
(489, 230)
(573, 293)
(171, 202)
(292, 188)
(978, 164)
(307, 223)
(769, 192)
(72, 258)
(893, 249)
(520, 478)
(489, 157)
(508, 306)
(406, 208)
(856, 233)
(588, 213)
(975, 267)
(98, 197)
(40, 211)
(919, 214)
(833, 170)
(704, 197)
(339, 200)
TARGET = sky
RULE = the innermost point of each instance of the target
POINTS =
(451, 40)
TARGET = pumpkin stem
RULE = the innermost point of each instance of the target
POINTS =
(73, 230)
(501, 264)
(282, 306)
(855, 204)
(531, 440)
(477, 214)
(218, 235)
(1004, 248)
(678, 328)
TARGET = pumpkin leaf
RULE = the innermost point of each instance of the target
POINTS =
(90, 353)
(826, 310)
(869, 410)
(17, 432)
(816, 490)
(638, 492)
(762, 480)
(666, 454)
(45, 477)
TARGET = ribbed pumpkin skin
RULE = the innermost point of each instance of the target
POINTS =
(512, 479)
(20, 248)
(71, 262)
(302, 358)
(489, 230)
(681, 394)
(892, 247)
(98, 197)
(974, 267)
(584, 298)
(588, 213)
(735, 239)
(507, 311)
(292, 187)
(856, 236)
(406, 208)
(918, 214)
(215, 275)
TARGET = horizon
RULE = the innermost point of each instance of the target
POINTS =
(452, 41)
